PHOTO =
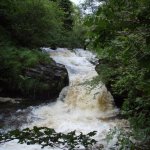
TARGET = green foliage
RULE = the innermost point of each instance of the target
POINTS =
(31, 23)
(67, 8)
(13, 64)
(75, 36)
(120, 35)
(48, 137)
(24, 27)
(124, 139)
(37, 23)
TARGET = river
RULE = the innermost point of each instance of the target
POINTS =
(83, 106)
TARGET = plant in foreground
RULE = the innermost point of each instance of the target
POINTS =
(48, 137)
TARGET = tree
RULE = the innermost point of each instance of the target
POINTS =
(31, 23)
(120, 35)
(66, 6)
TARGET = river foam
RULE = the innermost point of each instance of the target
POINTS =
(81, 106)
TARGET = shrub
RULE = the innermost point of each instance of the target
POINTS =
(120, 37)
(31, 23)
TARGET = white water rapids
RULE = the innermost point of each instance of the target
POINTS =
(81, 106)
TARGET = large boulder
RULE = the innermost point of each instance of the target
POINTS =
(44, 81)
(50, 79)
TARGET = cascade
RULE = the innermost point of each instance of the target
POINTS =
(83, 106)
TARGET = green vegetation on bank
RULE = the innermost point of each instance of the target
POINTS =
(14, 64)
(118, 30)
(25, 26)
(121, 36)
(15, 60)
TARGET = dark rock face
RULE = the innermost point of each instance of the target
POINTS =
(44, 82)
(52, 78)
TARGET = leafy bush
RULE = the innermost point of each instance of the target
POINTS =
(31, 23)
(48, 137)
(13, 64)
(120, 37)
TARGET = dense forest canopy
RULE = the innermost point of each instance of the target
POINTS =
(34, 23)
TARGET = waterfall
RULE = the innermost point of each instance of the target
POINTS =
(83, 106)
(81, 93)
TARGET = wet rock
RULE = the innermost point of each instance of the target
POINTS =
(10, 100)
(42, 82)
(51, 78)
